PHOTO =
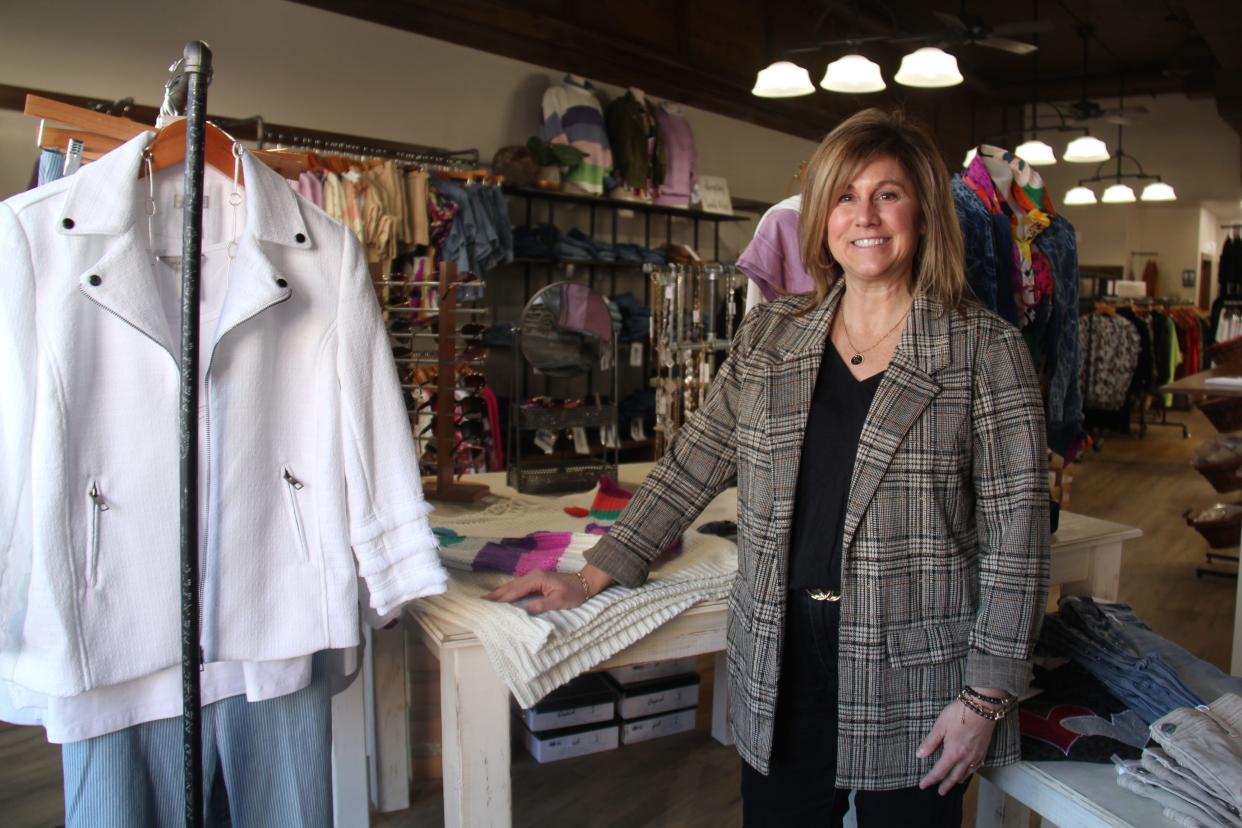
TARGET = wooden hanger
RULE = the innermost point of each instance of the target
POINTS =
(168, 149)
(98, 130)
(467, 175)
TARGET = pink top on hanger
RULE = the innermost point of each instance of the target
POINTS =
(773, 259)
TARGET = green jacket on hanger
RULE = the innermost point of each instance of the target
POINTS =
(638, 155)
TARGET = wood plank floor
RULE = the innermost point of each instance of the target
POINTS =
(689, 780)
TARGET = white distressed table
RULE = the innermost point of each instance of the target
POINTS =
(474, 703)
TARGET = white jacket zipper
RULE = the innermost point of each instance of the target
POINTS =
(98, 507)
(292, 487)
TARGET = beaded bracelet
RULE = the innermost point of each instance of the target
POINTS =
(979, 710)
(1006, 702)
(586, 588)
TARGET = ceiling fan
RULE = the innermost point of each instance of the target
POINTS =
(1085, 109)
(969, 29)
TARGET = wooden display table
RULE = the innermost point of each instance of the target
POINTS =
(474, 703)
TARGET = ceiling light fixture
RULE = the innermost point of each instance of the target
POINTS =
(853, 74)
(1036, 153)
(929, 68)
(1117, 192)
(783, 79)
(1158, 191)
(1086, 149)
(1080, 195)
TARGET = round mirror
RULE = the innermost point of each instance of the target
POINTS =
(564, 326)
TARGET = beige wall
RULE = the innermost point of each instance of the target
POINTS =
(297, 65)
(1187, 143)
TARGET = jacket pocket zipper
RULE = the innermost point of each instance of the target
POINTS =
(292, 487)
(98, 507)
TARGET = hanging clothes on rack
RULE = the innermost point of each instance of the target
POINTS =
(1151, 278)
(1112, 348)
(288, 527)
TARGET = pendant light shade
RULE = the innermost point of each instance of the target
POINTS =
(1086, 150)
(970, 156)
(853, 74)
(1080, 195)
(783, 79)
(1118, 194)
(929, 68)
(1036, 153)
(1158, 191)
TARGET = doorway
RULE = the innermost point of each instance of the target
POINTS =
(1205, 283)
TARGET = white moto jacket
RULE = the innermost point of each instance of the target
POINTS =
(309, 469)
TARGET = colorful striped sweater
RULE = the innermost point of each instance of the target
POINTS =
(572, 115)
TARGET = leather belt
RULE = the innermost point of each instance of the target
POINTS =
(823, 595)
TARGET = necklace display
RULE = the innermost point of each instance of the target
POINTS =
(685, 341)
(857, 358)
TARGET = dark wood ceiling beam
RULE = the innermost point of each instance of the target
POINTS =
(1221, 26)
(1140, 81)
(545, 40)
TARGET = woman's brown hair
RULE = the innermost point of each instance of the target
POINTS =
(939, 264)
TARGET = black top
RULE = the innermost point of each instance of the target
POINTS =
(833, 426)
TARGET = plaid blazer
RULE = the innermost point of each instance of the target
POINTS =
(946, 541)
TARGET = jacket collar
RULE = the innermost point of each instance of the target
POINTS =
(105, 199)
(923, 346)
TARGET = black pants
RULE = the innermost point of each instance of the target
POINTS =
(800, 788)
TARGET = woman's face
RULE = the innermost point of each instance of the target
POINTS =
(875, 226)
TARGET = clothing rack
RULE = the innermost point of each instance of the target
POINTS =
(191, 76)
(103, 131)
(1146, 303)
(341, 144)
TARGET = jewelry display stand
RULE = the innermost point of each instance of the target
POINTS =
(684, 338)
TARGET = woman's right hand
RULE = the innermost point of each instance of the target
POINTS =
(558, 590)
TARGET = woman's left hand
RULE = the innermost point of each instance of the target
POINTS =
(965, 737)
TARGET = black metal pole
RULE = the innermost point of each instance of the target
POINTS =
(197, 70)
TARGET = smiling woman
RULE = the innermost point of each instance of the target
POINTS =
(879, 632)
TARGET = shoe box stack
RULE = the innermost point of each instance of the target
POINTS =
(600, 711)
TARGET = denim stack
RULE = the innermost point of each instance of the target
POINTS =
(1132, 669)
(543, 241)
(481, 236)
(635, 318)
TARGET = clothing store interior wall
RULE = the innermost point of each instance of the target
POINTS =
(298, 65)
(306, 65)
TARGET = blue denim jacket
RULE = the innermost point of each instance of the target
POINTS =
(976, 224)
(1064, 405)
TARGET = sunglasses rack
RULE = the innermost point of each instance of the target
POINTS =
(431, 377)
(695, 310)
(445, 485)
